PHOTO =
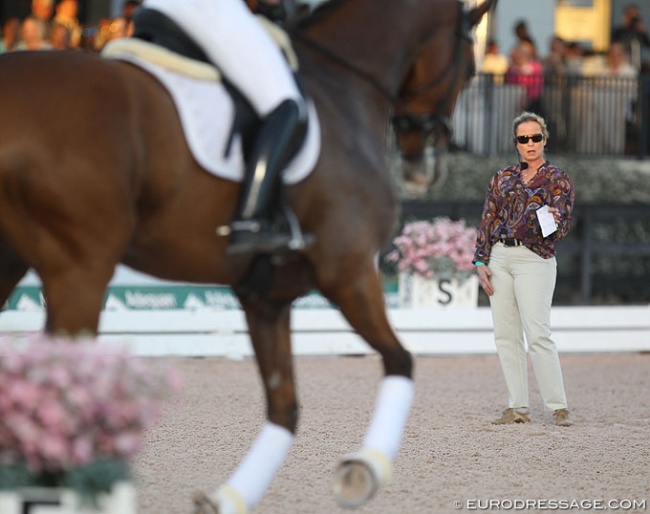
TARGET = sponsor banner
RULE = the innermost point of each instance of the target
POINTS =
(163, 297)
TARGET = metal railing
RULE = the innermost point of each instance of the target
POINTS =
(591, 116)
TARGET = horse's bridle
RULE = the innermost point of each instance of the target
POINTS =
(429, 125)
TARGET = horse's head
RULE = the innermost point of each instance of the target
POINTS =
(422, 120)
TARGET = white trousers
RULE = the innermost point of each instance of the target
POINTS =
(232, 38)
(523, 285)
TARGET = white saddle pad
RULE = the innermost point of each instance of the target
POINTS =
(207, 113)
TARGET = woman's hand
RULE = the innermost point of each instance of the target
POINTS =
(556, 214)
(484, 275)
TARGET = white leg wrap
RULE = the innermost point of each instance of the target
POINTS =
(230, 501)
(391, 412)
(251, 479)
(379, 465)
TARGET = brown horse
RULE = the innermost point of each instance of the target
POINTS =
(95, 170)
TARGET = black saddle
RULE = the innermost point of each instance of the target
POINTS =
(155, 27)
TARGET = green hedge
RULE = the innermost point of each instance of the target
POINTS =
(595, 180)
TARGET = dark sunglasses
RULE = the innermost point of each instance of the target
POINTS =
(522, 140)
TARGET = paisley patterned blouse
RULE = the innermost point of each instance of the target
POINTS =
(510, 210)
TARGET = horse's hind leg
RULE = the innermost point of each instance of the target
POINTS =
(13, 269)
(269, 326)
(361, 474)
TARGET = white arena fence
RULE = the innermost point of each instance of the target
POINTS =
(156, 318)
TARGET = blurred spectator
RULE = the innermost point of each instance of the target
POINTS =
(632, 35)
(128, 9)
(555, 62)
(118, 28)
(524, 37)
(66, 14)
(60, 37)
(89, 39)
(494, 63)
(33, 35)
(111, 29)
(10, 35)
(613, 64)
(574, 58)
(527, 71)
(43, 10)
(616, 63)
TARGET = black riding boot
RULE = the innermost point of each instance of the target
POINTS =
(279, 138)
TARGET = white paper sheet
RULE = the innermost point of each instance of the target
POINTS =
(546, 221)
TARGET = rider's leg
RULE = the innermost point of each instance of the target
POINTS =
(280, 135)
(245, 53)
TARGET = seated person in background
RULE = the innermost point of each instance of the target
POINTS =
(10, 35)
(574, 58)
(494, 63)
(66, 14)
(555, 62)
(525, 70)
(43, 10)
(90, 40)
(33, 35)
(614, 64)
(118, 28)
(112, 29)
(60, 37)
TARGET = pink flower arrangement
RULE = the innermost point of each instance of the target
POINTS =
(66, 405)
(439, 249)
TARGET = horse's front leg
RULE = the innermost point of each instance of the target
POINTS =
(269, 326)
(361, 474)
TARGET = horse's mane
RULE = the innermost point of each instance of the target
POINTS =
(315, 16)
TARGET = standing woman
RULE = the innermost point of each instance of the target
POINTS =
(515, 263)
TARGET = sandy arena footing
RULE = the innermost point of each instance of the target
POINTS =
(452, 459)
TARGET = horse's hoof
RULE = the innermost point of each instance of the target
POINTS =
(355, 483)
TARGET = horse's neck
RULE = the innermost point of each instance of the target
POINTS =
(375, 37)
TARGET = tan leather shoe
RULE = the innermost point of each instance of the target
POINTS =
(562, 418)
(511, 415)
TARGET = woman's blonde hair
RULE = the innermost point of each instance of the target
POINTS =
(529, 116)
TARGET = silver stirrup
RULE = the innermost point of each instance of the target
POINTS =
(298, 240)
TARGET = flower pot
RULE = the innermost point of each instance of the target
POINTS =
(416, 292)
(29, 500)
(42, 500)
